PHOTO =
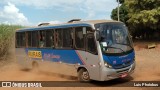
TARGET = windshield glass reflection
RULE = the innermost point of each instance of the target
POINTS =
(114, 38)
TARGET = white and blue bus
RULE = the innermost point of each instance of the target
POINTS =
(92, 50)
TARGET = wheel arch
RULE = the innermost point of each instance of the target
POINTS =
(79, 68)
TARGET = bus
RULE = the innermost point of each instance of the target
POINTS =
(90, 50)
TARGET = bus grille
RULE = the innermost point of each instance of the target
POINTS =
(119, 66)
(122, 71)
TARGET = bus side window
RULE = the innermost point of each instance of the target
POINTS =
(91, 44)
(21, 39)
(67, 38)
(49, 38)
(42, 38)
(29, 39)
(56, 38)
(64, 38)
(72, 38)
(79, 38)
(59, 36)
(34, 39)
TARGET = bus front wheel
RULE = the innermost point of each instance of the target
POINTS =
(83, 75)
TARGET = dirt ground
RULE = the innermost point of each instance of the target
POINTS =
(147, 69)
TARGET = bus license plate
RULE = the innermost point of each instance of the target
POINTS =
(123, 75)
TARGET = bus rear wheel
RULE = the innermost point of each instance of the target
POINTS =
(83, 75)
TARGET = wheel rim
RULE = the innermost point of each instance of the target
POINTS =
(85, 76)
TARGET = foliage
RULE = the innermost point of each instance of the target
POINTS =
(144, 15)
(146, 12)
(6, 38)
(123, 13)
(141, 16)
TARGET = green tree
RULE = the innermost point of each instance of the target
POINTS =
(141, 16)
(123, 14)
(144, 16)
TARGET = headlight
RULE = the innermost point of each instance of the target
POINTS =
(107, 65)
(134, 59)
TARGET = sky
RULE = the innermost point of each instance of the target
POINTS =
(34, 12)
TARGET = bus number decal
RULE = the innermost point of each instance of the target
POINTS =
(35, 54)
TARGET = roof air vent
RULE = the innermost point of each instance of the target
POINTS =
(43, 24)
(74, 20)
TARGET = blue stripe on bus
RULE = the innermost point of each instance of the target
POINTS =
(53, 27)
(65, 56)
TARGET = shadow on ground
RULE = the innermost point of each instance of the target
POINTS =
(120, 82)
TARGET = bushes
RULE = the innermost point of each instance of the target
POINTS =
(6, 38)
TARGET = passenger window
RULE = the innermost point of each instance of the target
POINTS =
(91, 44)
(21, 39)
(42, 39)
(49, 38)
(67, 38)
(29, 39)
(34, 39)
(64, 38)
(59, 40)
(79, 38)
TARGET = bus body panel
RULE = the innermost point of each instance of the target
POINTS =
(67, 59)
(93, 66)
(66, 62)
(68, 69)
(64, 56)
(121, 69)
(109, 74)
(118, 62)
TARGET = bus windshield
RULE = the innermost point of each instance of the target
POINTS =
(114, 38)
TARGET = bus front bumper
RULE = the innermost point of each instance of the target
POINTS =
(109, 74)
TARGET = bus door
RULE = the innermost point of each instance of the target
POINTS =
(92, 57)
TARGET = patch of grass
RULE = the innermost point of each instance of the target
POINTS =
(7, 34)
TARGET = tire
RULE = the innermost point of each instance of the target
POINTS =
(83, 75)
